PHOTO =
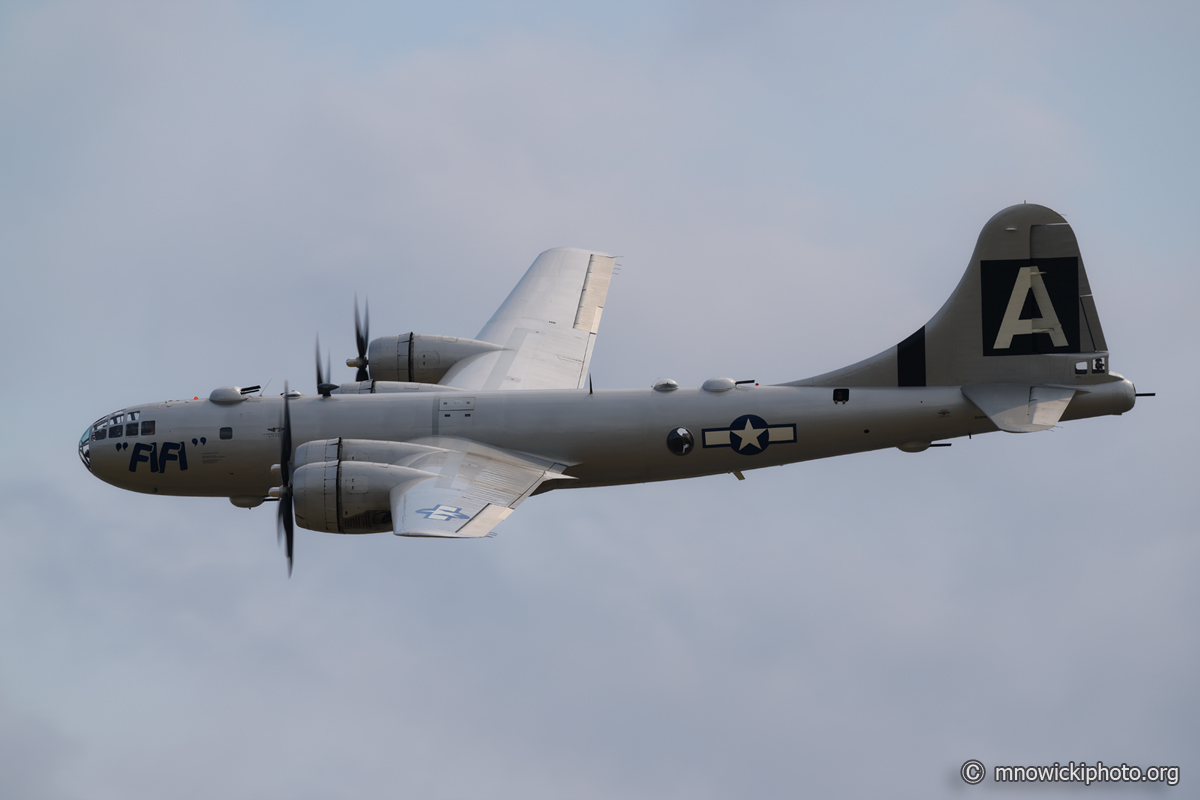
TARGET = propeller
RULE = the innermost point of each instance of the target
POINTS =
(284, 525)
(361, 337)
(324, 387)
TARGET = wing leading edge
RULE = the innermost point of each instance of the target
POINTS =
(547, 326)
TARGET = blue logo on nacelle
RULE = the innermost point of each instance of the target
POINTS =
(442, 513)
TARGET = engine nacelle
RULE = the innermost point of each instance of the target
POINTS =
(348, 496)
(420, 357)
(388, 387)
(379, 452)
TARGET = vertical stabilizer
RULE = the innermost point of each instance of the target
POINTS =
(1023, 313)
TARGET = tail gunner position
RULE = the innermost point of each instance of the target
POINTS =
(442, 436)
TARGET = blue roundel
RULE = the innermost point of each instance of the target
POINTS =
(749, 434)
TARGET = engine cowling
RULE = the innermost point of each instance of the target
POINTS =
(388, 387)
(373, 450)
(348, 496)
(420, 357)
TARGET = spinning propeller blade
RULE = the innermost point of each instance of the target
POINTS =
(361, 338)
(284, 528)
(324, 387)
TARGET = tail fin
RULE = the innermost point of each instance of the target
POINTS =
(1023, 314)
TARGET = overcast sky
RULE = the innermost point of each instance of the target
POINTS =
(189, 192)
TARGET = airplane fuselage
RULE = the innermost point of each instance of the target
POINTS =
(445, 437)
(205, 448)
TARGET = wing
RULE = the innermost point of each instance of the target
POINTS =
(475, 487)
(547, 326)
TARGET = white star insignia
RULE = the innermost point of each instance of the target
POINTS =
(749, 435)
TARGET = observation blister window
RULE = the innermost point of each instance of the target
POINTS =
(680, 441)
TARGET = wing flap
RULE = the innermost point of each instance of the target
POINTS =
(482, 523)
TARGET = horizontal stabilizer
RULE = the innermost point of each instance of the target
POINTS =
(1016, 408)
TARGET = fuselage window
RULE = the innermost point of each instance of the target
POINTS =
(148, 427)
(226, 433)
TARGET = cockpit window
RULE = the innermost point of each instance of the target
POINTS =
(85, 447)
(100, 429)
(126, 423)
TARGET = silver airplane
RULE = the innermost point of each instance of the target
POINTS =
(443, 436)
